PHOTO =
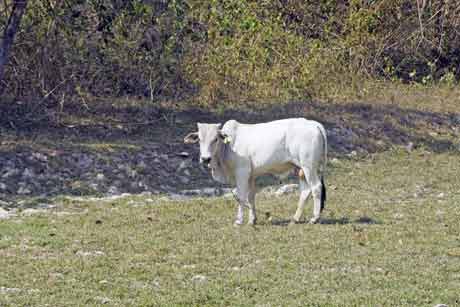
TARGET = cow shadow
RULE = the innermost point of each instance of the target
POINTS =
(345, 220)
(328, 221)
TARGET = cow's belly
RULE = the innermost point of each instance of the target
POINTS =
(274, 169)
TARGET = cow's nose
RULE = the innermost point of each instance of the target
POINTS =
(206, 160)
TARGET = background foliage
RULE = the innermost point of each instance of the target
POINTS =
(233, 50)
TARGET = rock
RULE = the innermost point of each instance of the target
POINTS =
(32, 211)
(113, 190)
(335, 161)
(57, 275)
(103, 300)
(410, 146)
(100, 177)
(184, 179)
(4, 214)
(131, 172)
(39, 156)
(189, 266)
(178, 197)
(46, 206)
(3, 186)
(27, 173)
(441, 305)
(199, 278)
(136, 284)
(89, 253)
(184, 165)
(456, 119)
(183, 154)
(23, 190)
(136, 185)
(11, 172)
(142, 165)
(5, 290)
(164, 157)
(205, 192)
(352, 154)
(228, 193)
(287, 189)
(84, 161)
(210, 191)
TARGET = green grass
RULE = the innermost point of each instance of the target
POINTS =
(389, 237)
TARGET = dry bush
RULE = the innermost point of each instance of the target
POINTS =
(230, 51)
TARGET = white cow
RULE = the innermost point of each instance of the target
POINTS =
(239, 153)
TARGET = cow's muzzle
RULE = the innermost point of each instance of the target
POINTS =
(205, 161)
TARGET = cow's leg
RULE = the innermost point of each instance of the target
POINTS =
(252, 202)
(239, 215)
(317, 189)
(242, 192)
(305, 191)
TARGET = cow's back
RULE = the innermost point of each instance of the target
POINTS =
(272, 145)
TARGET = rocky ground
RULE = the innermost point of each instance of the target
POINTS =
(152, 168)
(149, 168)
(140, 155)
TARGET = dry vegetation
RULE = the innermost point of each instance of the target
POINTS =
(68, 52)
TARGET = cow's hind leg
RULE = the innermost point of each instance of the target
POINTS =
(305, 191)
(316, 185)
(252, 202)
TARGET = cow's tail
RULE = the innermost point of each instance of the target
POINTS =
(323, 167)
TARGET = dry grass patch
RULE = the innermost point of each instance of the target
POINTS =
(389, 237)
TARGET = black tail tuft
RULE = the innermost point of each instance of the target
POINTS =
(323, 194)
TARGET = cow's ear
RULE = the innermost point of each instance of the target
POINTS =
(191, 138)
(225, 137)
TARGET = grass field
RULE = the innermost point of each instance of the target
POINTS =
(389, 237)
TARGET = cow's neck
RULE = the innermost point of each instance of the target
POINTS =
(222, 166)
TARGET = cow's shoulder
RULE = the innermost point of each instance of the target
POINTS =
(230, 126)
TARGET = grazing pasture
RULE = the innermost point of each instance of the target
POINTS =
(389, 237)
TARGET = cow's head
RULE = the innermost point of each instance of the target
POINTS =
(211, 139)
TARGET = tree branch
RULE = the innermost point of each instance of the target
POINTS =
(11, 28)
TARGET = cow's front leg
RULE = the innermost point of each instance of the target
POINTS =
(239, 215)
(242, 196)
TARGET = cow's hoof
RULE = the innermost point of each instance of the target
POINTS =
(237, 224)
(294, 222)
(313, 220)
